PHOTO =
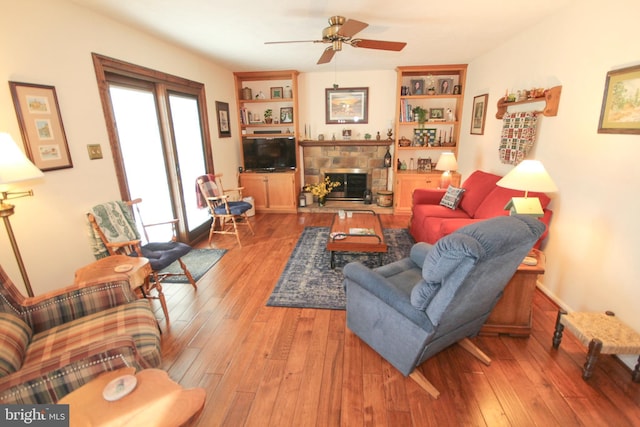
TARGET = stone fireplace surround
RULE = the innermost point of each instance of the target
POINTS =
(319, 156)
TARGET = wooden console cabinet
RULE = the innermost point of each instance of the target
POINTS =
(407, 181)
(272, 192)
(512, 314)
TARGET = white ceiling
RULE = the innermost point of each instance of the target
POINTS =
(233, 32)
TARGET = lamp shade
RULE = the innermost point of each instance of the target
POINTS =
(14, 165)
(447, 162)
(529, 175)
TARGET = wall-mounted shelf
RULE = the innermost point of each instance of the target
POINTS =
(551, 97)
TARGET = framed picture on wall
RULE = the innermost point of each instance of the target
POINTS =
(479, 114)
(41, 125)
(621, 103)
(222, 113)
(347, 105)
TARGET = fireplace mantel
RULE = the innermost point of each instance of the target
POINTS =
(345, 142)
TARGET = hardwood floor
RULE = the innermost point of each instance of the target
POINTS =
(270, 366)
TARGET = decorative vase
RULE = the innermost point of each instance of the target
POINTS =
(322, 200)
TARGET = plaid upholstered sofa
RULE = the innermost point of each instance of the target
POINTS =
(52, 344)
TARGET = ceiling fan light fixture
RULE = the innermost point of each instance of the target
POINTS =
(342, 30)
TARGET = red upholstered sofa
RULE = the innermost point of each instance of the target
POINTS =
(481, 200)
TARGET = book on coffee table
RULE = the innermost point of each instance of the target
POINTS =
(362, 231)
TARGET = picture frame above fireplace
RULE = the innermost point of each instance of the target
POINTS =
(347, 105)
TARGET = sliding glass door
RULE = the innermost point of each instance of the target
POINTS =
(158, 135)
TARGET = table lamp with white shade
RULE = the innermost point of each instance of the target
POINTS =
(14, 167)
(528, 175)
(447, 163)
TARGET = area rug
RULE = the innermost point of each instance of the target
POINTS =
(308, 280)
(198, 261)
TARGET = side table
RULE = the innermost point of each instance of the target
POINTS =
(138, 274)
(512, 314)
(156, 401)
(105, 268)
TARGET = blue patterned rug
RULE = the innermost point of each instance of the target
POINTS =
(198, 261)
(309, 282)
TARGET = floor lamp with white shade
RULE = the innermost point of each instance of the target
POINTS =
(14, 167)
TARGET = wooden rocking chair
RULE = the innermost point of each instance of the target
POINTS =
(228, 213)
(115, 232)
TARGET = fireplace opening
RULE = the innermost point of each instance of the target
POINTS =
(353, 183)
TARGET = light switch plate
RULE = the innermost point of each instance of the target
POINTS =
(95, 151)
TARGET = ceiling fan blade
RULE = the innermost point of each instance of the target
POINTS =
(351, 27)
(296, 41)
(378, 44)
(327, 55)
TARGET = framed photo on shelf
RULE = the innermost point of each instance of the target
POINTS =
(286, 115)
(347, 105)
(276, 92)
(479, 114)
(620, 103)
(417, 87)
(445, 86)
(424, 165)
(41, 125)
(222, 113)
(436, 113)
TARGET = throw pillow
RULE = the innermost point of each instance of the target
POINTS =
(15, 335)
(452, 197)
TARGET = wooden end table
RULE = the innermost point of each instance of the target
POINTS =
(512, 314)
(104, 269)
(369, 241)
(156, 401)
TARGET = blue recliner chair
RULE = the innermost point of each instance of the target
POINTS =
(442, 294)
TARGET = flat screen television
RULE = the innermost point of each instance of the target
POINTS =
(269, 153)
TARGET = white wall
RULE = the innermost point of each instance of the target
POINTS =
(382, 98)
(592, 252)
(50, 42)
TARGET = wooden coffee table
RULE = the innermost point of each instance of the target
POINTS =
(361, 232)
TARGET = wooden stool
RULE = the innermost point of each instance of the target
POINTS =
(601, 333)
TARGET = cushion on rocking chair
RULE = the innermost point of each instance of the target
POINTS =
(161, 255)
(236, 208)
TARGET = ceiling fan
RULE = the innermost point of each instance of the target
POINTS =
(342, 30)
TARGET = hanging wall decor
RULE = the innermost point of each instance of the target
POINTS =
(479, 114)
(518, 136)
(621, 102)
(222, 113)
(41, 125)
(347, 105)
